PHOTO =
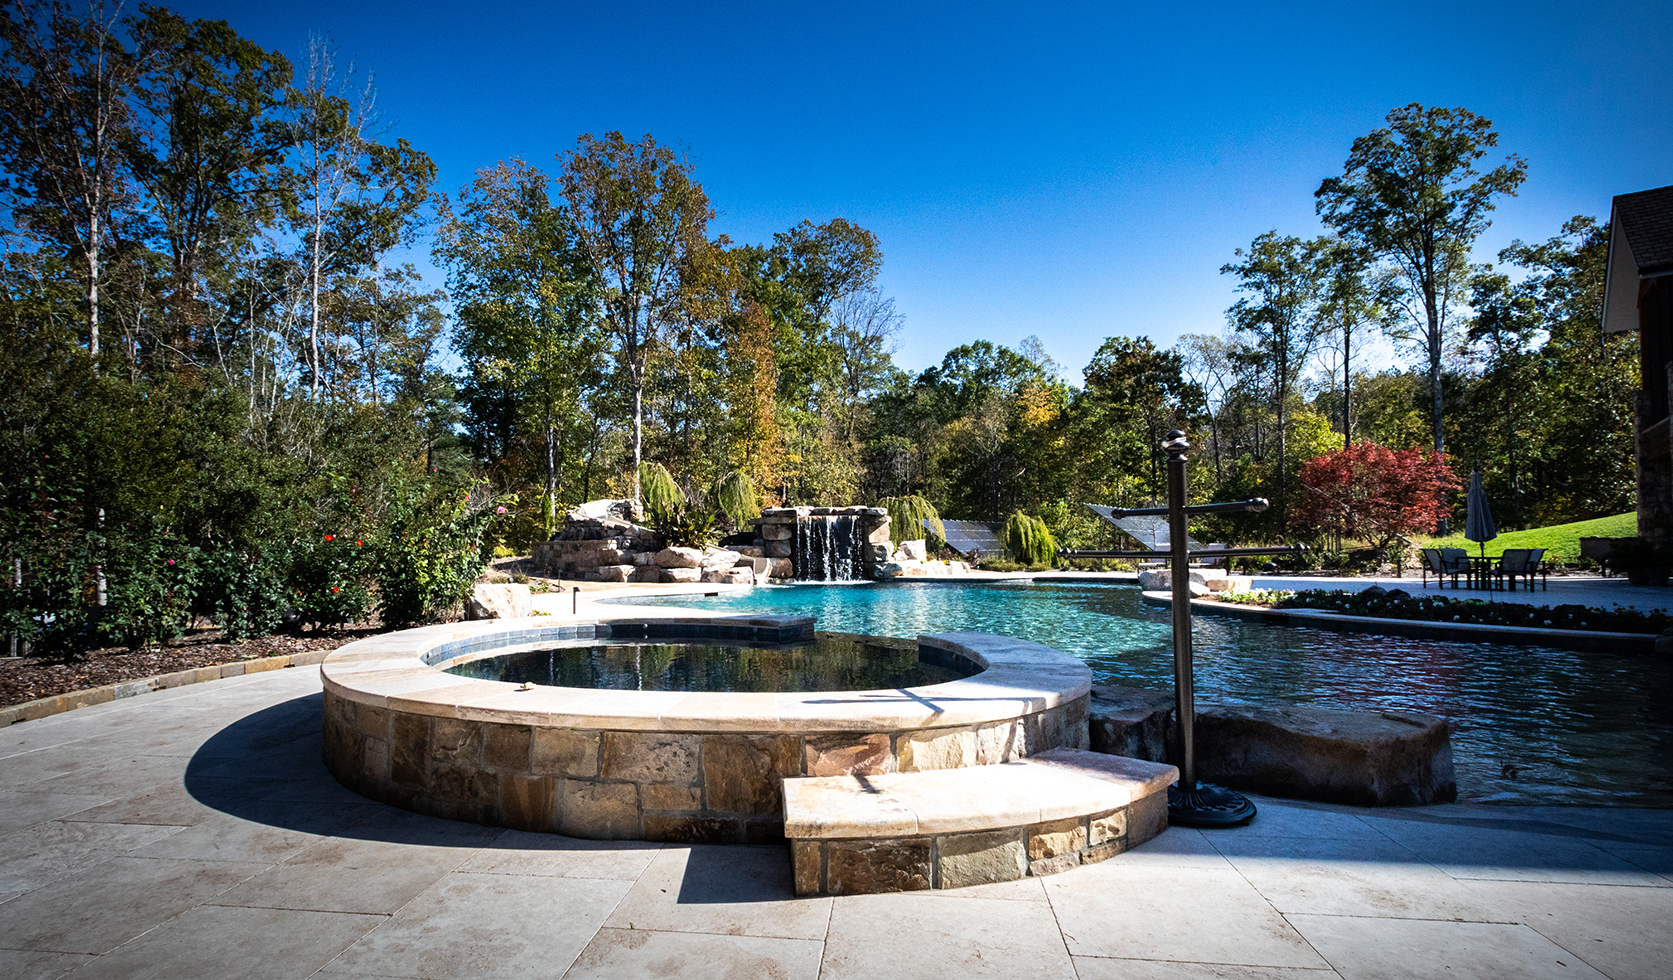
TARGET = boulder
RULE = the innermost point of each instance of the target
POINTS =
(642, 558)
(647, 573)
(679, 558)
(782, 569)
(718, 558)
(747, 550)
(776, 532)
(1161, 580)
(594, 510)
(616, 573)
(499, 602)
(1360, 758)
(740, 575)
(681, 574)
(777, 549)
(890, 570)
(914, 550)
(1132, 721)
(880, 533)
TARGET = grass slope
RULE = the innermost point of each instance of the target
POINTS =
(1560, 541)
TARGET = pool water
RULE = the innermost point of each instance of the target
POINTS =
(1531, 724)
(820, 665)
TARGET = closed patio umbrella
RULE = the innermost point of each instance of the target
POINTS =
(1478, 516)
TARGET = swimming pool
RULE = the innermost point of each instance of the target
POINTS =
(1532, 724)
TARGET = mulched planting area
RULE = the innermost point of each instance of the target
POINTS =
(28, 678)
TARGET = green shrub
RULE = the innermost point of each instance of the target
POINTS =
(436, 548)
(907, 516)
(149, 577)
(1028, 540)
(687, 527)
(242, 591)
(327, 578)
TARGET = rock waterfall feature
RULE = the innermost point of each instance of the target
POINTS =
(826, 544)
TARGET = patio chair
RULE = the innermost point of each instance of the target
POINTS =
(1524, 562)
(1437, 560)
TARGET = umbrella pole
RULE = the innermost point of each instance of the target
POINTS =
(1190, 803)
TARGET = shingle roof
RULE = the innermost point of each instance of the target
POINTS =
(1647, 219)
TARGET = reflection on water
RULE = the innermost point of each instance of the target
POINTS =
(1532, 724)
(822, 665)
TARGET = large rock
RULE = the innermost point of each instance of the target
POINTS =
(914, 550)
(499, 602)
(679, 558)
(594, 510)
(680, 574)
(739, 575)
(782, 568)
(718, 559)
(776, 532)
(777, 549)
(1131, 721)
(747, 550)
(1361, 758)
(1161, 580)
(616, 573)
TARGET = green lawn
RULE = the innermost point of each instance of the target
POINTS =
(1560, 541)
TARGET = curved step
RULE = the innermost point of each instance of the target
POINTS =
(948, 828)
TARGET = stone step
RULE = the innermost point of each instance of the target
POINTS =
(948, 828)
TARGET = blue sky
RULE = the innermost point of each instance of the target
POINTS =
(1067, 171)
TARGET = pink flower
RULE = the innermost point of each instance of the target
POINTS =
(497, 510)
(171, 561)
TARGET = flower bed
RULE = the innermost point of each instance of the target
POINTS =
(1399, 604)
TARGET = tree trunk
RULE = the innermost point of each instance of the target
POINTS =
(1347, 385)
(1434, 339)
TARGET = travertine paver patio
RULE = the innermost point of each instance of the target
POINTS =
(195, 833)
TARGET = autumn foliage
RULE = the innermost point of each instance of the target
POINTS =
(1375, 494)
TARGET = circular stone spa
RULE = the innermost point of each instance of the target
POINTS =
(489, 721)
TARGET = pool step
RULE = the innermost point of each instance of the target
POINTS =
(948, 828)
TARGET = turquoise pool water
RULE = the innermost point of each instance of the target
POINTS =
(1531, 724)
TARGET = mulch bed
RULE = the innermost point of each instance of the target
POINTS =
(28, 678)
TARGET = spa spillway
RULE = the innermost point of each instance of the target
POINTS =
(405, 725)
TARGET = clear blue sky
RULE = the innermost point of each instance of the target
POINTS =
(1068, 171)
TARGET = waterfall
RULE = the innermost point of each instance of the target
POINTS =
(825, 548)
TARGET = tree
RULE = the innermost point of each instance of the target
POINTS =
(639, 215)
(1411, 194)
(1372, 493)
(64, 114)
(354, 197)
(1282, 276)
(1134, 394)
(525, 299)
(1353, 294)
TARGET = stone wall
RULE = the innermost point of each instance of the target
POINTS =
(683, 787)
(776, 533)
(865, 865)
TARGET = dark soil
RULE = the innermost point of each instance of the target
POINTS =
(29, 678)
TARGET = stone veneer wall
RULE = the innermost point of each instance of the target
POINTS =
(777, 529)
(686, 787)
(860, 866)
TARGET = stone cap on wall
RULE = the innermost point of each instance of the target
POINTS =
(400, 671)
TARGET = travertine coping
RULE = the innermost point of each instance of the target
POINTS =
(398, 671)
(666, 765)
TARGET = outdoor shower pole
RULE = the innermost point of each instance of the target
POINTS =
(1184, 684)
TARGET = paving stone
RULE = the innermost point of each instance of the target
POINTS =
(1350, 877)
(1623, 932)
(1101, 968)
(618, 953)
(1416, 949)
(735, 890)
(338, 875)
(264, 833)
(105, 906)
(487, 926)
(516, 852)
(246, 943)
(34, 856)
(26, 964)
(892, 936)
(1494, 853)
(25, 809)
(1190, 914)
(979, 859)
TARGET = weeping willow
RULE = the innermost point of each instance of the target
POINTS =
(656, 485)
(1029, 540)
(735, 493)
(907, 516)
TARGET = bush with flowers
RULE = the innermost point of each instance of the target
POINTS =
(327, 578)
(1400, 604)
(436, 545)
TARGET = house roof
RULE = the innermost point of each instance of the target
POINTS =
(1647, 219)
(1640, 246)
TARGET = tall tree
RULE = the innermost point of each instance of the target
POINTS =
(208, 151)
(354, 198)
(525, 299)
(65, 84)
(1353, 294)
(1280, 275)
(1412, 194)
(639, 215)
